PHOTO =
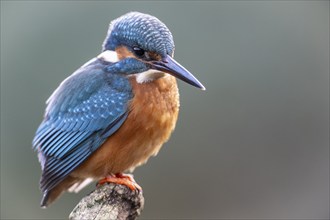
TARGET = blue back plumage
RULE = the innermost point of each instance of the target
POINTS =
(89, 106)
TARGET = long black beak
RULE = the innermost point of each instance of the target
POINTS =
(169, 65)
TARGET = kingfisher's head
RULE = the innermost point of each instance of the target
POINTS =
(141, 44)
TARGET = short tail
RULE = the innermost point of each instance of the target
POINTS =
(49, 196)
(45, 198)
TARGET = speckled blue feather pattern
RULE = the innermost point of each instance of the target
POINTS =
(141, 30)
(89, 106)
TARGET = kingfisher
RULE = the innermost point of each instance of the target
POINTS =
(114, 112)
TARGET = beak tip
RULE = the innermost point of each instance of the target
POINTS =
(169, 65)
(200, 85)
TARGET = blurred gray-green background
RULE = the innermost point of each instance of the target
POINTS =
(255, 144)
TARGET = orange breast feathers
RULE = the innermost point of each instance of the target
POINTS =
(151, 120)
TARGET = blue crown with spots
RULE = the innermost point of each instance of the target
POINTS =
(136, 29)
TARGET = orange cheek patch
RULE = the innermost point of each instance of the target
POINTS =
(154, 56)
(123, 52)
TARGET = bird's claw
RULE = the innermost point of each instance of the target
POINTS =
(122, 179)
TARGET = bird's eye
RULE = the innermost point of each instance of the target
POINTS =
(138, 51)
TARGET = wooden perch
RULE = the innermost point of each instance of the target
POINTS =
(109, 201)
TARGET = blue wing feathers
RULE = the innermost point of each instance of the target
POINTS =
(87, 108)
(43, 137)
(58, 169)
(54, 164)
(56, 147)
(55, 136)
(114, 126)
(61, 152)
(61, 169)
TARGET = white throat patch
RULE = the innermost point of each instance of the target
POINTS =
(109, 56)
(148, 76)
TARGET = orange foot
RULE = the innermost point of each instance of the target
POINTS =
(122, 179)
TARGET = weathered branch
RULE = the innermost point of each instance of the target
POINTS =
(109, 201)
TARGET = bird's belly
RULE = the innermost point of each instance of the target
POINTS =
(152, 118)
